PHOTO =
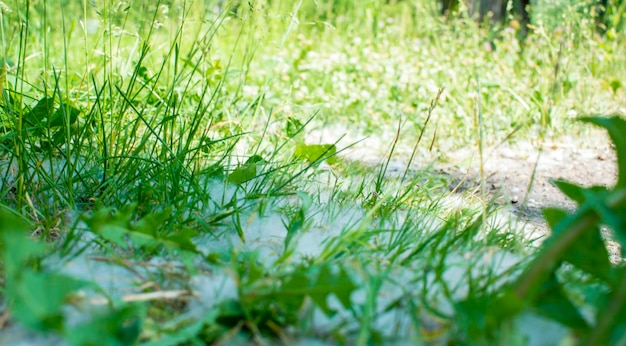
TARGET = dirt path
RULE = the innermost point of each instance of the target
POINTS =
(509, 172)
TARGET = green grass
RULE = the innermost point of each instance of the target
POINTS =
(181, 173)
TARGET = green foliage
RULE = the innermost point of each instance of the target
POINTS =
(116, 327)
(46, 125)
(247, 171)
(577, 244)
(147, 233)
(297, 219)
(39, 297)
(316, 152)
(267, 299)
(165, 138)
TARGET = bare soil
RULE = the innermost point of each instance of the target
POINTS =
(519, 174)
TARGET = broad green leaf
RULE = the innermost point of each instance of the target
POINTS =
(182, 239)
(145, 231)
(295, 288)
(616, 127)
(615, 84)
(186, 334)
(573, 191)
(340, 284)
(214, 171)
(117, 227)
(611, 208)
(243, 174)
(255, 159)
(65, 112)
(249, 268)
(42, 110)
(292, 127)
(111, 225)
(143, 73)
(38, 298)
(478, 313)
(15, 247)
(587, 252)
(554, 215)
(618, 328)
(552, 303)
(109, 216)
(118, 327)
(318, 282)
(57, 139)
(316, 152)
(115, 234)
(247, 171)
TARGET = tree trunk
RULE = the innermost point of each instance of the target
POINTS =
(492, 10)
(495, 11)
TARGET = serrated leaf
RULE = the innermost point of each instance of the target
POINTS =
(318, 282)
(615, 84)
(472, 312)
(315, 152)
(340, 284)
(117, 227)
(114, 234)
(57, 139)
(616, 126)
(573, 191)
(255, 159)
(613, 216)
(292, 127)
(247, 171)
(120, 326)
(15, 247)
(249, 268)
(151, 223)
(182, 239)
(111, 225)
(587, 252)
(42, 110)
(110, 216)
(554, 215)
(38, 298)
(243, 174)
(552, 303)
(618, 329)
(185, 335)
(63, 113)
(295, 288)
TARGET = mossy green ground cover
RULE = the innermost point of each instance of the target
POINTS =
(188, 172)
